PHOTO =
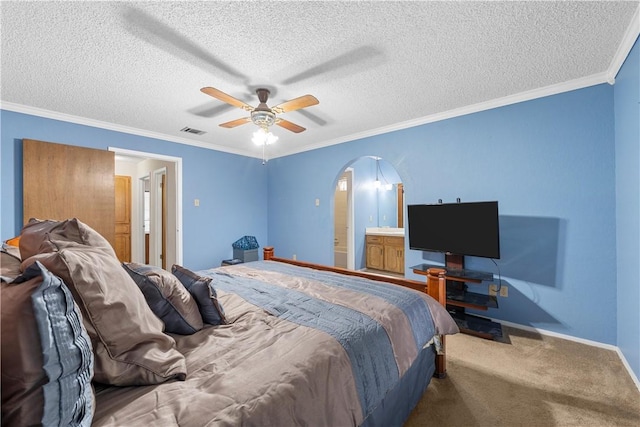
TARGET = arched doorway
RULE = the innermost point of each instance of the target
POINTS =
(368, 193)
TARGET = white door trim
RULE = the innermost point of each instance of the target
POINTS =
(351, 232)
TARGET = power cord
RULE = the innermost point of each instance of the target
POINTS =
(499, 276)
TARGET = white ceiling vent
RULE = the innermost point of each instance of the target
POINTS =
(192, 130)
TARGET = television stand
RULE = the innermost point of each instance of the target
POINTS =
(459, 298)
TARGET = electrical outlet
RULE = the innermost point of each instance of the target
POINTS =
(196, 202)
(504, 291)
(493, 289)
(294, 257)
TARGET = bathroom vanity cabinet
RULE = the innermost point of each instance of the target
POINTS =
(385, 253)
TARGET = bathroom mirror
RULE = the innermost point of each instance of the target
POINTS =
(390, 203)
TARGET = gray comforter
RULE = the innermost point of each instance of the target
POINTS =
(302, 347)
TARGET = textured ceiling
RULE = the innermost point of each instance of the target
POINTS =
(374, 66)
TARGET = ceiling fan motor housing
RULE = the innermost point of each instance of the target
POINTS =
(263, 95)
(263, 116)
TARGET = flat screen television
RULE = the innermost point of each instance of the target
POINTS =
(458, 228)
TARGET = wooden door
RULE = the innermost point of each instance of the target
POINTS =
(123, 217)
(63, 181)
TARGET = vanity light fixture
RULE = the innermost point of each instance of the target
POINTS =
(377, 184)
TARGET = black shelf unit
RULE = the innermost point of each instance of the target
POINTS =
(459, 298)
(464, 298)
(478, 326)
(463, 273)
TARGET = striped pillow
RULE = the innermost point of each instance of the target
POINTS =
(47, 359)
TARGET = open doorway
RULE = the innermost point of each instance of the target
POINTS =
(343, 250)
(150, 199)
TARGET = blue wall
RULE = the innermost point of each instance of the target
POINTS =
(627, 128)
(550, 164)
(232, 189)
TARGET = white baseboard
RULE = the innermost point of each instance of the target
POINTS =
(579, 340)
(626, 365)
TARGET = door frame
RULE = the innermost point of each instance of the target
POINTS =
(158, 181)
(177, 162)
(351, 249)
(143, 182)
(351, 231)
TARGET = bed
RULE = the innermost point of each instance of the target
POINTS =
(295, 343)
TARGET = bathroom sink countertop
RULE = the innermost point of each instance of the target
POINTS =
(384, 231)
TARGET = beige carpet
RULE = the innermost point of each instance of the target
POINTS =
(534, 381)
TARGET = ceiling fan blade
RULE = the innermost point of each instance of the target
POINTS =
(218, 94)
(295, 104)
(289, 126)
(236, 122)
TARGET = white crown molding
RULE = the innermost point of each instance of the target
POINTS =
(40, 112)
(631, 34)
(630, 37)
(555, 89)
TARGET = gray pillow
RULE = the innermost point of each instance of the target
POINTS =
(47, 361)
(167, 297)
(205, 294)
(40, 236)
(129, 345)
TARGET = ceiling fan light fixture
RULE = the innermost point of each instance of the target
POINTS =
(263, 137)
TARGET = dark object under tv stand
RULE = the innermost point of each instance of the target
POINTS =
(459, 298)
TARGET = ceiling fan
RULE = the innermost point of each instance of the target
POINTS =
(262, 115)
